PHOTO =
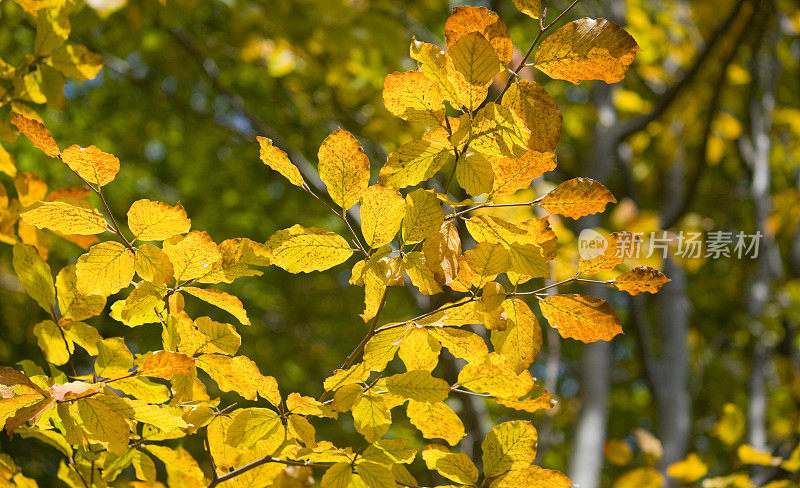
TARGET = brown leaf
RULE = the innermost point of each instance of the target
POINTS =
(581, 317)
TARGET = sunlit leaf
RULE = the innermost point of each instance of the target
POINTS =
(107, 268)
(92, 164)
(465, 20)
(279, 161)
(641, 279)
(344, 168)
(37, 133)
(508, 446)
(436, 421)
(539, 112)
(581, 317)
(165, 364)
(34, 275)
(157, 221)
(301, 249)
(688, 470)
(414, 162)
(423, 216)
(412, 96)
(577, 197)
(68, 217)
(382, 211)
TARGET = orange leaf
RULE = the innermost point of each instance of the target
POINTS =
(465, 20)
(92, 164)
(37, 133)
(581, 317)
(512, 174)
(643, 278)
(344, 168)
(539, 111)
(165, 364)
(279, 161)
(577, 197)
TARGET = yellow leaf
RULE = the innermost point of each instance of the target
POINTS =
(475, 58)
(75, 61)
(73, 305)
(104, 424)
(220, 299)
(182, 468)
(344, 168)
(643, 278)
(239, 374)
(461, 343)
(157, 221)
(83, 335)
(114, 360)
(475, 174)
(192, 256)
(51, 342)
(142, 306)
(457, 467)
(346, 397)
(107, 268)
(618, 452)
(509, 446)
(374, 475)
(423, 216)
(513, 174)
(382, 211)
(577, 197)
(371, 416)
(37, 133)
(639, 478)
(337, 476)
(521, 342)
(165, 364)
(30, 188)
(436, 421)
(749, 455)
(34, 275)
(52, 29)
(301, 249)
(250, 425)
(731, 425)
(533, 404)
(7, 162)
(153, 264)
(279, 161)
(419, 386)
(413, 163)
(539, 112)
(92, 164)
(493, 376)
(533, 477)
(688, 470)
(419, 350)
(68, 217)
(488, 259)
(587, 49)
(465, 20)
(412, 96)
(498, 131)
(610, 245)
(581, 317)
(237, 256)
(442, 251)
(531, 8)
(438, 67)
(219, 337)
(421, 276)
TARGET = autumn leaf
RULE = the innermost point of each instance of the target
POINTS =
(587, 49)
(497, 131)
(413, 97)
(220, 299)
(688, 470)
(618, 452)
(76, 61)
(465, 20)
(74, 389)
(371, 417)
(107, 268)
(513, 174)
(748, 454)
(34, 275)
(73, 305)
(521, 341)
(509, 446)
(157, 221)
(539, 112)
(382, 211)
(301, 249)
(488, 259)
(92, 164)
(475, 174)
(423, 216)
(436, 421)
(239, 374)
(52, 344)
(611, 255)
(639, 478)
(475, 59)
(193, 256)
(581, 317)
(279, 161)
(456, 467)
(37, 133)
(414, 162)
(165, 364)
(344, 168)
(531, 8)
(419, 386)
(114, 359)
(533, 477)
(577, 197)
(641, 279)
(153, 264)
(66, 216)
(415, 265)
(104, 424)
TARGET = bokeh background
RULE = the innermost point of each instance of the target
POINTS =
(703, 135)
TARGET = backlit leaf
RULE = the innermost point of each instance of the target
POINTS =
(220, 299)
(107, 268)
(641, 279)
(577, 197)
(68, 217)
(157, 221)
(192, 256)
(581, 317)
(508, 446)
(498, 131)
(279, 161)
(488, 259)
(374, 475)
(475, 174)
(457, 467)
(104, 424)
(419, 386)
(414, 162)
(747, 454)
(495, 377)
(688, 470)
(165, 364)
(423, 216)
(521, 342)
(531, 8)
(639, 478)
(153, 264)
(344, 168)
(587, 49)
(412, 96)
(372, 417)
(533, 477)
(475, 59)
(51, 342)
(75, 61)
(513, 174)
(239, 374)
(421, 276)
(92, 164)
(34, 275)
(337, 476)
(37, 133)
(436, 421)
(114, 360)
(539, 112)
(465, 20)
(72, 304)
(301, 249)
(382, 211)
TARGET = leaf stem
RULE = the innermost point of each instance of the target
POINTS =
(260, 462)
(341, 216)
(493, 205)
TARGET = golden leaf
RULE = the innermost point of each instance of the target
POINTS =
(497, 131)
(419, 351)
(301, 249)
(92, 164)
(513, 174)
(521, 342)
(37, 133)
(72, 304)
(50, 341)
(114, 360)
(371, 416)
(419, 386)
(421, 276)
(220, 299)
(34, 275)
(104, 424)
(276, 159)
(643, 278)
(495, 377)
(611, 256)
(436, 421)
(192, 256)
(344, 168)
(475, 174)
(488, 259)
(688, 470)
(618, 452)
(581, 317)
(461, 343)
(531, 8)
(587, 49)
(412, 96)
(414, 162)
(423, 216)
(107, 268)
(457, 467)
(75, 61)
(509, 446)
(165, 364)
(30, 188)
(533, 477)
(373, 475)
(142, 306)
(83, 335)
(157, 221)
(577, 197)
(239, 374)
(153, 264)
(747, 454)
(539, 111)
(442, 251)
(66, 216)
(382, 211)
(475, 59)
(639, 478)
(465, 20)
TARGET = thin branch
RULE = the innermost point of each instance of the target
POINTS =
(425, 315)
(493, 205)
(341, 216)
(261, 462)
